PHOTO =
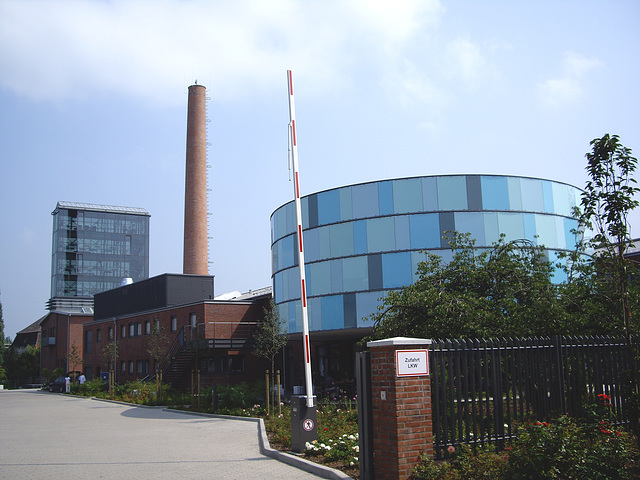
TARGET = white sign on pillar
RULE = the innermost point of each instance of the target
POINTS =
(411, 363)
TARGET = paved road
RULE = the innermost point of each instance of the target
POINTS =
(46, 435)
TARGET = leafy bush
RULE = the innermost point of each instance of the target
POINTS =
(587, 448)
(93, 388)
(234, 398)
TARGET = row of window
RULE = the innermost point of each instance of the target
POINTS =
(427, 194)
(422, 231)
(349, 310)
(102, 222)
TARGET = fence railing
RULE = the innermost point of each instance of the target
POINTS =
(482, 388)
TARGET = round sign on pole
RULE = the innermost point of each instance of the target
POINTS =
(307, 424)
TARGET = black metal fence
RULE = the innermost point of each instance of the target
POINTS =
(481, 388)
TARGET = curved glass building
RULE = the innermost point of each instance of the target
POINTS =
(363, 240)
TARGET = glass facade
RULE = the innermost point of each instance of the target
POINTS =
(363, 240)
(95, 247)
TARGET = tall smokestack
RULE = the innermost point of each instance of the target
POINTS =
(196, 259)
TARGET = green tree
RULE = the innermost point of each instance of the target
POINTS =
(502, 291)
(109, 355)
(607, 200)
(158, 344)
(271, 335)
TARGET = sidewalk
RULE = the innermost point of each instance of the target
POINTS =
(47, 435)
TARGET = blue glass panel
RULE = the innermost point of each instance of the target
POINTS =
(336, 276)
(396, 269)
(474, 192)
(281, 222)
(346, 205)
(360, 237)
(290, 214)
(295, 320)
(278, 288)
(304, 209)
(374, 268)
(328, 207)
(531, 195)
(561, 240)
(350, 312)
(293, 283)
(570, 237)
(274, 259)
(491, 228)
(447, 227)
(313, 210)
(546, 229)
(558, 274)
(425, 231)
(365, 200)
(512, 225)
(407, 195)
(471, 222)
(324, 241)
(311, 245)
(515, 194)
(314, 312)
(341, 235)
(385, 198)
(530, 232)
(286, 251)
(366, 304)
(452, 193)
(429, 194)
(547, 195)
(332, 312)
(403, 238)
(416, 258)
(355, 274)
(380, 234)
(319, 279)
(495, 193)
(563, 199)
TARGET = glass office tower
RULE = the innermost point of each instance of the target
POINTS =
(363, 240)
(95, 247)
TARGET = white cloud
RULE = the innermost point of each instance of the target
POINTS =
(56, 50)
(465, 62)
(569, 87)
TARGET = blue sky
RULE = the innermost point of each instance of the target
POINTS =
(93, 109)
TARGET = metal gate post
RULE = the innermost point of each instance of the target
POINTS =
(365, 418)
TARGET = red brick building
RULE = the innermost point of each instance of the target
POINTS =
(60, 332)
(196, 332)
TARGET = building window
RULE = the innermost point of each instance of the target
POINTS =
(228, 364)
(147, 327)
(131, 366)
(123, 331)
(123, 366)
(139, 329)
(110, 332)
(132, 329)
(98, 335)
(193, 320)
(174, 324)
(156, 325)
(88, 342)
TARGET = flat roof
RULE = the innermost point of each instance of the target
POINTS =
(99, 208)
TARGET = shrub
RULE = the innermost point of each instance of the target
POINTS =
(586, 448)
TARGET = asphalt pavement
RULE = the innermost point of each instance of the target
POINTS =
(58, 436)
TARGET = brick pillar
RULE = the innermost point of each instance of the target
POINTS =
(401, 406)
